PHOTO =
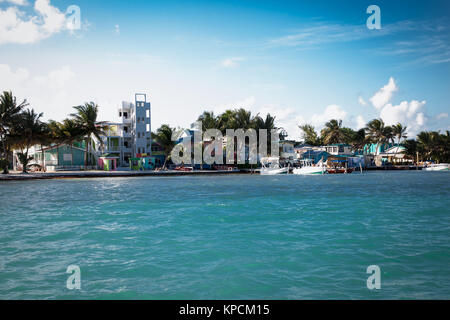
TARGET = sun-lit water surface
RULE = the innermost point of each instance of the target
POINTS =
(227, 237)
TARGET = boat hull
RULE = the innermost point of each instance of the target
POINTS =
(439, 167)
(340, 171)
(270, 172)
(309, 171)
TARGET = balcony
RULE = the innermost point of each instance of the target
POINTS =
(125, 134)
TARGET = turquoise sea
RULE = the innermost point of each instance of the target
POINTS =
(228, 237)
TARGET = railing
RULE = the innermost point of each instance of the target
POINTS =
(112, 149)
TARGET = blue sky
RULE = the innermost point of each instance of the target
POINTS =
(303, 61)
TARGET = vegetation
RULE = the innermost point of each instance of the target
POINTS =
(21, 128)
(163, 137)
(86, 120)
(10, 111)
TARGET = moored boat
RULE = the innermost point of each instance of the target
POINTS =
(271, 166)
(438, 167)
(308, 168)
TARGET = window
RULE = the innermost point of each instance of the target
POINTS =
(148, 113)
(120, 113)
(148, 127)
(125, 115)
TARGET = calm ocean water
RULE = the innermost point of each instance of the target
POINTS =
(228, 237)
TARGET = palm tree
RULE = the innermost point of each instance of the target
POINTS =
(310, 135)
(86, 118)
(71, 131)
(56, 135)
(399, 131)
(430, 144)
(358, 140)
(9, 112)
(244, 119)
(209, 121)
(163, 137)
(227, 120)
(411, 148)
(333, 133)
(378, 132)
(29, 128)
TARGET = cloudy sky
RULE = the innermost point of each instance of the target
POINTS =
(303, 61)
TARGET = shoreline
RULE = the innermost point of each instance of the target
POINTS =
(18, 176)
(108, 174)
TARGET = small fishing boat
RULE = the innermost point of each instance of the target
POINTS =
(307, 167)
(438, 167)
(338, 165)
(340, 170)
(271, 166)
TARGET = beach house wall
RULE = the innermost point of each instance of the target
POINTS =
(339, 149)
(287, 151)
(55, 157)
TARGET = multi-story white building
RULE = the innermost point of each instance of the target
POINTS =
(131, 136)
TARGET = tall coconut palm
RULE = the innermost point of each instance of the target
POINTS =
(209, 120)
(244, 119)
(72, 132)
(29, 129)
(358, 140)
(310, 135)
(163, 137)
(56, 136)
(227, 120)
(44, 139)
(429, 142)
(86, 117)
(399, 131)
(9, 112)
(377, 132)
(333, 133)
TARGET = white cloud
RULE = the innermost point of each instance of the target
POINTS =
(411, 114)
(360, 122)
(16, 2)
(117, 29)
(49, 93)
(384, 95)
(443, 115)
(362, 102)
(17, 27)
(331, 112)
(231, 62)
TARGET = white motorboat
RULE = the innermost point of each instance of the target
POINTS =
(308, 168)
(438, 167)
(271, 166)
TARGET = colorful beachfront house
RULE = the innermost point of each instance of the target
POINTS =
(376, 149)
(131, 135)
(339, 149)
(306, 151)
(395, 155)
(108, 162)
(55, 157)
(287, 151)
(158, 153)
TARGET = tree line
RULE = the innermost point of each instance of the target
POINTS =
(429, 145)
(21, 128)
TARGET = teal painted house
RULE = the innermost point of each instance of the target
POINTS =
(59, 156)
